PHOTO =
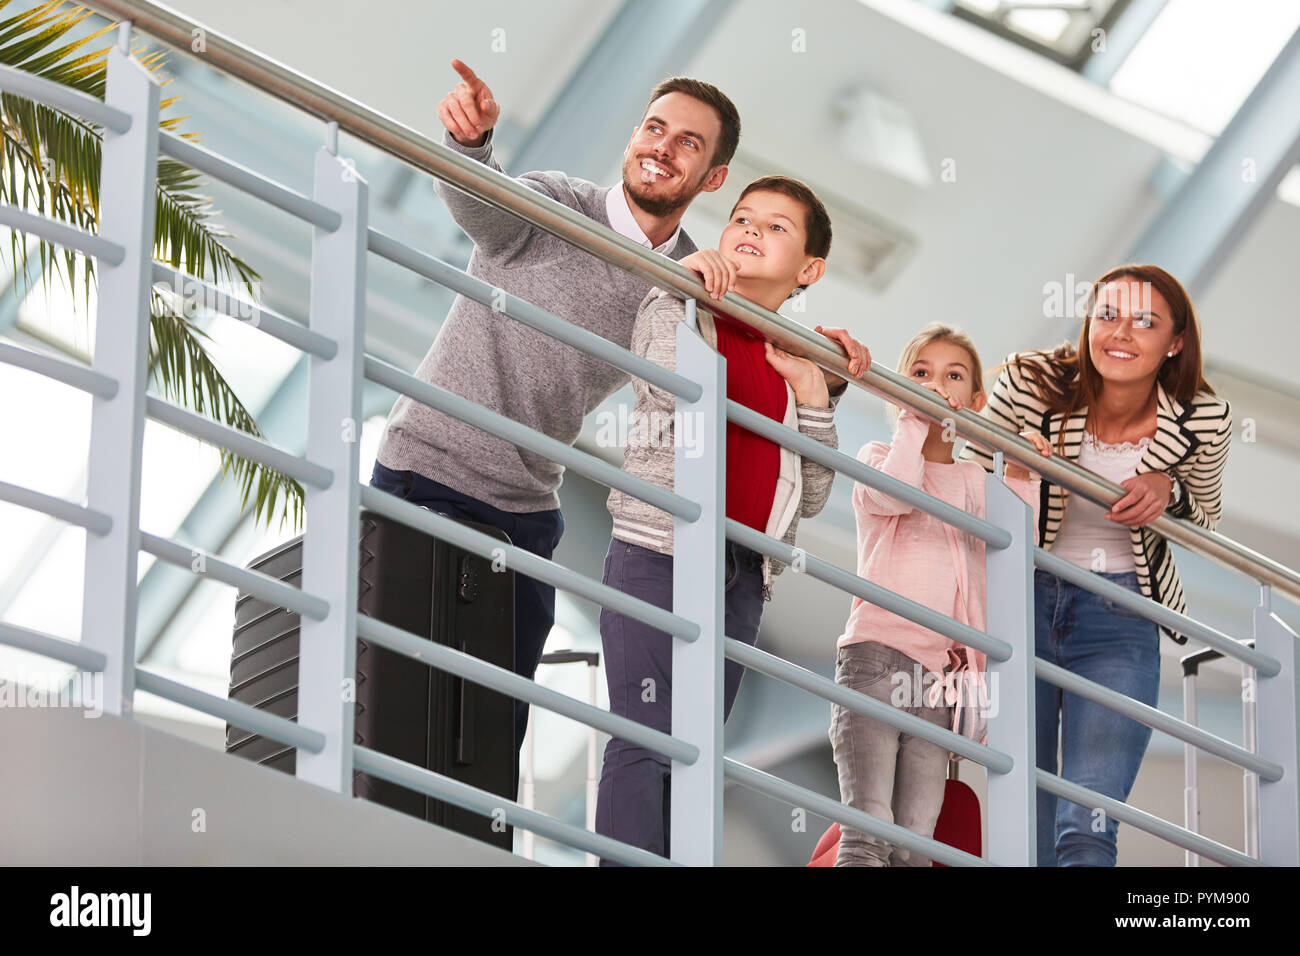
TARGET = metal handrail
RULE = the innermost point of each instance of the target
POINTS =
(418, 150)
(412, 776)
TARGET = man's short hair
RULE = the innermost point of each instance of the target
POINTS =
(710, 95)
(817, 221)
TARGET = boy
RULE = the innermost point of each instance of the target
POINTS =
(776, 242)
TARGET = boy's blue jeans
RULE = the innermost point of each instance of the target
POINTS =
(633, 799)
(1099, 748)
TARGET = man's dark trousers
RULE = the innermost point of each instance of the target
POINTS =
(535, 531)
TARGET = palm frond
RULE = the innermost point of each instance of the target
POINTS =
(50, 164)
(182, 369)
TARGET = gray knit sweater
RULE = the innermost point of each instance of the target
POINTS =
(508, 367)
(803, 485)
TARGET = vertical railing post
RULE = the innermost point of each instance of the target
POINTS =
(1191, 764)
(327, 649)
(1250, 781)
(127, 196)
(1279, 738)
(697, 692)
(1010, 602)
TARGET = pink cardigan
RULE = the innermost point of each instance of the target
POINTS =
(919, 556)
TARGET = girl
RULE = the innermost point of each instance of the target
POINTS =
(1128, 402)
(890, 774)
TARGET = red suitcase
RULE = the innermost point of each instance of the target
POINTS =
(958, 824)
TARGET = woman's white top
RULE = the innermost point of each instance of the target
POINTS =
(1086, 538)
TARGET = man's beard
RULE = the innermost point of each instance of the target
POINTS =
(660, 206)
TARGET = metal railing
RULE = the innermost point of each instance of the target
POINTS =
(326, 600)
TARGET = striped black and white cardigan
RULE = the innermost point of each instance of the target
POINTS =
(1190, 445)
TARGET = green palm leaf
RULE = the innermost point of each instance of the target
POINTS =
(50, 165)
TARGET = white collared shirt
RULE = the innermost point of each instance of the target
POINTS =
(624, 223)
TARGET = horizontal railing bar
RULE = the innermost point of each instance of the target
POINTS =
(252, 582)
(995, 760)
(60, 233)
(1157, 613)
(1192, 662)
(96, 522)
(1170, 833)
(1158, 720)
(47, 645)
(584, 340)
(502, 192)
(526, 563)
(504, 427)
(521, 688)
(232, 440)
(487, 804)
(65, 98)
(232, 712)
(996, 648)
(267, 320)
(837, 460)
(845, 815)
(61, 370)
(246, 180)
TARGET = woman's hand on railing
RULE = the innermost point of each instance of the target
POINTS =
(1149, 494)
(469, 110)
(1039, 441)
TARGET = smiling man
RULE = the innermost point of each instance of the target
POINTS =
(680, 148)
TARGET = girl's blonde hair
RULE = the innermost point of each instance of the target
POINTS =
(938, 332)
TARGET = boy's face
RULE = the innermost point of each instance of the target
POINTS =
(668, 160)
(766, 238)
(951, 366)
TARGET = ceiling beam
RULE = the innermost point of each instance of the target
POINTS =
(1197, 229)
(584, 129)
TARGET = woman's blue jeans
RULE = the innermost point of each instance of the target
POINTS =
(1098, 748)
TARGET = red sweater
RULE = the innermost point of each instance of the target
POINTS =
(753, 462)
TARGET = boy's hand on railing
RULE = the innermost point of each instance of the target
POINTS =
(716, 271)
(469, 110)
(858, 354)
(805, 378)
(1039, 441)
(1148, 497)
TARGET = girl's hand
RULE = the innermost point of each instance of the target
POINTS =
(716, 271)
(906, 411)
(1013, 470)
(1147, 498)
(859, 355)
(942, 392)
(805, 378)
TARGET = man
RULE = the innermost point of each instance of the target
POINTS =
(680, 148)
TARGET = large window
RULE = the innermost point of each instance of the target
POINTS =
(1201, 58)
(1063, 30)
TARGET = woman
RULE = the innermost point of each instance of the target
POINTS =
(1129, 403)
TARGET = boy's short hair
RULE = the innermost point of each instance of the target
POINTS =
(938, 332)
(710, 95)
(817, 221)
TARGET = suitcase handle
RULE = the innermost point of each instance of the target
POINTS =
(465, 699)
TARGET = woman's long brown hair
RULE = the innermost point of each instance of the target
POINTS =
(1065, 379)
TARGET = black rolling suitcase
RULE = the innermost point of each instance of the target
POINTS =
(405, 709)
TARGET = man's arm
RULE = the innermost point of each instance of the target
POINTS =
(469, 113)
